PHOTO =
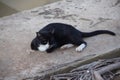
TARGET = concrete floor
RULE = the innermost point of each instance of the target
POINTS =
(17, 61)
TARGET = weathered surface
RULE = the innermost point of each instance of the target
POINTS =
(92, 71)
(17, 31)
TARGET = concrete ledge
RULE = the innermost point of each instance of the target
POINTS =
(64, 68)
(17, 31)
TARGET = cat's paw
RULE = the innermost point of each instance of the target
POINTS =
(66, 46)
(49, 50)
(81, 47)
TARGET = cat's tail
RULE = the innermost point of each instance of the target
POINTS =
(89, 34)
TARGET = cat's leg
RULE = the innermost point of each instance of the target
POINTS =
(52, 48)
(66, 46)
(80, 43)
(77, 40)
(53, 45)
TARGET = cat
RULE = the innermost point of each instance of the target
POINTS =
(56, 35)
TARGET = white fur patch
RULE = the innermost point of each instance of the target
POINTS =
(43, 47)
(81, 47)
(67, 46)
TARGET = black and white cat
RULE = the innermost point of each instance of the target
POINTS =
(56, 35)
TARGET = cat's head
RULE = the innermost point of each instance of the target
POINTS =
(41, 41)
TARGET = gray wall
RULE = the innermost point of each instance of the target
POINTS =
(6, 10)
(20, 5)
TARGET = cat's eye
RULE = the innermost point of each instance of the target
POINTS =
(44, 42)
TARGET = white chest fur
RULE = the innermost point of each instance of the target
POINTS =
(43, 47)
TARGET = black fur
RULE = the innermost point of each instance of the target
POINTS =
(59, 34)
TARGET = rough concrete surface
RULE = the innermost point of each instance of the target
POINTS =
(17, 61)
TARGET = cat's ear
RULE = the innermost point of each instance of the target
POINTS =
(38, 34)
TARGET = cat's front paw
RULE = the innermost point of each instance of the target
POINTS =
(49, 50)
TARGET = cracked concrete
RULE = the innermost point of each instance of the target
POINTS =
(17, 61)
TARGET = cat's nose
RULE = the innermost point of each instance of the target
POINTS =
(33, 46)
